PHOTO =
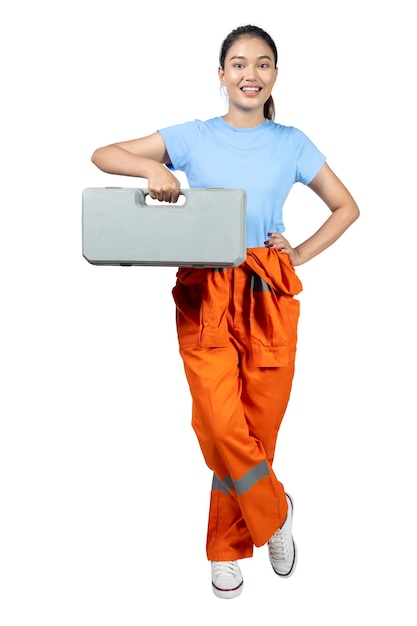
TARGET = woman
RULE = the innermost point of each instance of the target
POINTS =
(237, 328)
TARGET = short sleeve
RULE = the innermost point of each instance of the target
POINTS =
(179, 140)
(309, 159)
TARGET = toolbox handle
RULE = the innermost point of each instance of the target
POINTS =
(148, 201)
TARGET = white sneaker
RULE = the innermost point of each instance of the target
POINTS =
(227, 579)
(281, 546)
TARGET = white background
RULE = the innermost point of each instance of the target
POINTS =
(104, 492)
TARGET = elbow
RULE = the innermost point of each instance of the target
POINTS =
(351, 212)
(100, 159)
(352, 215)
(348, 214)
(355, 212)
(105, 159)
(95, 157)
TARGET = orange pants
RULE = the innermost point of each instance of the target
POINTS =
(237, 331)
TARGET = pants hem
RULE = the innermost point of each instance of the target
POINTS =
(230, 556)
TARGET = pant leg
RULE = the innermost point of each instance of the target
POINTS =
(247, 501)
(265, 396)
(228, 536)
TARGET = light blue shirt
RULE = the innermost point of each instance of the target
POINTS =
(265, 161)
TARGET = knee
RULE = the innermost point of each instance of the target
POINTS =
(216, 429)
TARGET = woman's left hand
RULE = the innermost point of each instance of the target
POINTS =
(278, 241)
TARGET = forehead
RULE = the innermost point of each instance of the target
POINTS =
(248, 46)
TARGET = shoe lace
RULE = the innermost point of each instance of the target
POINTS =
(228, 568)
(278, 545)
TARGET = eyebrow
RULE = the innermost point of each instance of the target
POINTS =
(261, 56)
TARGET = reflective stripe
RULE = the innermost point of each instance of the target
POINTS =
(259, 284)
(217, 485)
(243, 484)
(251, 477)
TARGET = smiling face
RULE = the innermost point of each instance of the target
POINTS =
(249, 74)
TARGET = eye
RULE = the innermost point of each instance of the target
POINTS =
(264, 66)
(238, 65)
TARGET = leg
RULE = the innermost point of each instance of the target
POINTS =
(248, 503)
(265, 396)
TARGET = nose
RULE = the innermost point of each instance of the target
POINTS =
(251, 73)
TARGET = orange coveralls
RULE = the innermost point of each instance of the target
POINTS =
(237, 332)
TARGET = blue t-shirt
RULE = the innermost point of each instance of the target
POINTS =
(265, 161)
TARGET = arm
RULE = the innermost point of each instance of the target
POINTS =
(145, 158)
(344, 211)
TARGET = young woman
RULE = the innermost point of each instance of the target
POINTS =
(237, 328)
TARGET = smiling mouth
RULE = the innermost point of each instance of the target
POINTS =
(251, 89)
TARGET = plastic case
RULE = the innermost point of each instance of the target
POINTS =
(124, 226)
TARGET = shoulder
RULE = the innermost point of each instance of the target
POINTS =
(286, 130)
(285, 133)
(189, 130)
(300, 140)
(191, 125)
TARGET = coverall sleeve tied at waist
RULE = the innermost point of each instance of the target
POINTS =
(203, 297)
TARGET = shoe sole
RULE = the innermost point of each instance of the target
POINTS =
(227, 594)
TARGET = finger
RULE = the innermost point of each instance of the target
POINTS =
(174, 196)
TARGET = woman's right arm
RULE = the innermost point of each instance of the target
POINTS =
(144, 158)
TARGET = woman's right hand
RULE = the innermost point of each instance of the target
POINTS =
(162, 184)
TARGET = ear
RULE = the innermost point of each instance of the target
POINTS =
(221, 75)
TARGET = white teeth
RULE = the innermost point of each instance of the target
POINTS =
(250, 88)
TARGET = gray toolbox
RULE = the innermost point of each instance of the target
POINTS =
(124, 226)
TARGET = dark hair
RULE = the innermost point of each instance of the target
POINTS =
(252, 31)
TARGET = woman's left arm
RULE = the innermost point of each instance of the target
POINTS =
(344, 211)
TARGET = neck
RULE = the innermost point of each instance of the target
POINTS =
(244, 119)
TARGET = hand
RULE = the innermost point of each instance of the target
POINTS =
(278, 241)
(162, 184)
